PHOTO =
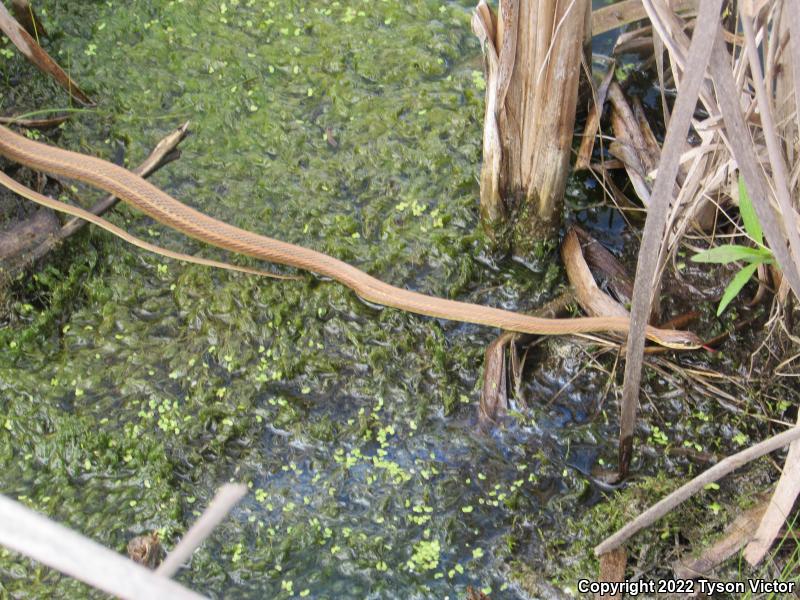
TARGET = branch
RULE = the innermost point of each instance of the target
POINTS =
(686, 491)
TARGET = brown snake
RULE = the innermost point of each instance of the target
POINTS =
(166, 210)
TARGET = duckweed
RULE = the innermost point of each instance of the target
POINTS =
(133, 387)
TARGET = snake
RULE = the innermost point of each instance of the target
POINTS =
(157, 204)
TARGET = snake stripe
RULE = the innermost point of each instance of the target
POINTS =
(165, 209)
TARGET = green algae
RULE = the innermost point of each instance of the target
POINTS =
(697, 524)
(132, 386)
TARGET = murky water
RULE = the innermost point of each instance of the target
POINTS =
(133, 386)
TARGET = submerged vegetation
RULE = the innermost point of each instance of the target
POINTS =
(132, 386)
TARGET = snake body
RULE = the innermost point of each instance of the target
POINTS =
(167, 210)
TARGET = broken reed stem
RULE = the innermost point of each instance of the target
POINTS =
(533, 55)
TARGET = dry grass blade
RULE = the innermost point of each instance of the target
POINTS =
(780, 177)
(616, 15)
(665, 505)
(49, 543)
(658, 55)
(226, 498)
(670, 28)
(741, 146)
(793, 18)
(780, 507)
(723, 150)
(702, 43)
(737, 534)
(34, 53)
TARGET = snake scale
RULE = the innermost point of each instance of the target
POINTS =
(165, 209)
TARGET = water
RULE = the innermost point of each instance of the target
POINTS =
(133, 385)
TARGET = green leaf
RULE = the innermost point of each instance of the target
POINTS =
(736, 285)
(749, 217)
(729, 253)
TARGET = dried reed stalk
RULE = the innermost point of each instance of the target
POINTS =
(750, 129)
(533, 54)
(647, 267)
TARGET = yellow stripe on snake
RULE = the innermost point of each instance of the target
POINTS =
(170, 212)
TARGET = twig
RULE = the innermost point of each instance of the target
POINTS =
(686, 491)
(226, 498)
(56, 546)
(35, 123)
(164, 153)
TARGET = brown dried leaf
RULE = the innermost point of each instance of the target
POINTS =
(25, 15)
(634, 143)
(34, 53)
(737, 534)
(591, 298)
(601, 259)
(616, 15)
(494, 394)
